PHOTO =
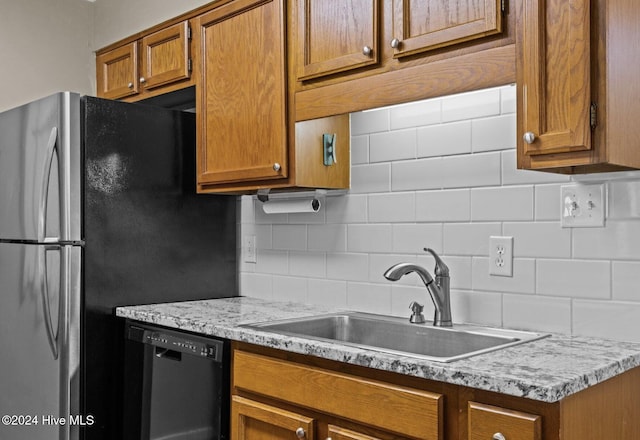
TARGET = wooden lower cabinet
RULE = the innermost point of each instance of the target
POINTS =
(255, 420)
(281, 395)
(492, 422)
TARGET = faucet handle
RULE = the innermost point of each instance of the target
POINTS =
(441, 270)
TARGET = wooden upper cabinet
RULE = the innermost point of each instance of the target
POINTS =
(242, 93)
(335, 36)
(419, 26)
(555, 78)
(165, 56)
(251, 420)
(117, 72)
(487, 422)
(156, 63)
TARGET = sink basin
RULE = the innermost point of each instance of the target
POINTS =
(396, 335)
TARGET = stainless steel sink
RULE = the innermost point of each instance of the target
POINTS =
(396, 335)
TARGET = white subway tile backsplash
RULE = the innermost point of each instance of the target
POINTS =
(445, 177)
(607, 319)
(626, 280)
(496, 133)
(537, 313)
(484, 308)
(392, 208)
(272, 261)
(540, 239)
(620, 239)
(443, 206)
(417, 174)
(624, 200)
(522, 281)
(444, 139)
(471, 105)
(412, 238)
(374, 121)
(372, 298)
(347, 209)
(290, 237)
(471, 170)
(359, 150)
(469, 238)
(508, 99)
(395, 145)
(416, 114)
(327, 292)
(307, 264)
(348, 266)
(290, 289)
(371, 178)
(547, 202)
(369, 238)
(502, 203)
(574, 278)
(513, 176)
(328, 238)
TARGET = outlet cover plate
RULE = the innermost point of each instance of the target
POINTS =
(501, 256)
(583, 206)
(250, 249)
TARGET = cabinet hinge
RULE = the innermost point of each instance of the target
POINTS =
(503, 5)
(189, 65)
(593, 115)
(189, 32)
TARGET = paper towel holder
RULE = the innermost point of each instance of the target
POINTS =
(306, 201)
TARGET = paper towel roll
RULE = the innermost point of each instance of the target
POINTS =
(285, 206)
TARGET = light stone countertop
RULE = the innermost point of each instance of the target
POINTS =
(547, 370)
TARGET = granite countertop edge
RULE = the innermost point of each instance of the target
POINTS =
(546, 370)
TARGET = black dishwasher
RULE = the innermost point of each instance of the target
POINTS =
(176, 385)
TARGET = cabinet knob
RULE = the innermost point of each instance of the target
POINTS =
(499, 436)
(529, 137)
(276, 166)
(367, 50)
(300, 433)
(130, 85)
(142, 80)
(395, 43)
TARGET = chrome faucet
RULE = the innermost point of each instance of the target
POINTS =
(438, 289)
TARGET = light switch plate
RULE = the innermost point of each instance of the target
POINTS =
(501, 256)
(582, 205)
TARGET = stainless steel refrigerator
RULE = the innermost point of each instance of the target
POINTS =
(98, 208)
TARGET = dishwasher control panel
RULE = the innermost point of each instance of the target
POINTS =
(177, 341)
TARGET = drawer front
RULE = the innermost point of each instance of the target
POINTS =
(409, 412)
(488, 422)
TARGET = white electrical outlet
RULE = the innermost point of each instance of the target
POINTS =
(501, 256)
(250, 249)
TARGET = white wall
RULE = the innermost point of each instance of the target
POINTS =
(45, 47)
(441, 173)
(117, 19)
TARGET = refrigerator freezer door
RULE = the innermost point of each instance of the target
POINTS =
(30, 298)
(40, 171)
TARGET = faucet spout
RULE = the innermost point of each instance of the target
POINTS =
(439, 289)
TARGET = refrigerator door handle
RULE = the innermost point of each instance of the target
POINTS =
(46, 306)
(42, 214)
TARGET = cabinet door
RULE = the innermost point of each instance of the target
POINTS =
(554, 81)
(487, 422)
(117, 72)
(165, 56)
(242, 122)
(338, 433)
(337, 35)
(419, 26)
(252, 420)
